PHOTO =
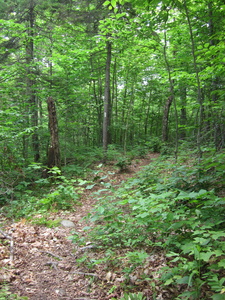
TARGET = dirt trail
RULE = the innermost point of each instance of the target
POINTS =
(44, 265)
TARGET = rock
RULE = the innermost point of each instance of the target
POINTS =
(67, 223)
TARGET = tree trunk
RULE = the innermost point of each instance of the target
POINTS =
(96, 93)
(114, 102)
(200, 96)
(183, 112)
(107, 104)
(215, 123)
(53, 150)
(165, 122)
(31, 82)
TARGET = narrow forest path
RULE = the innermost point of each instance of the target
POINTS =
(44, 264)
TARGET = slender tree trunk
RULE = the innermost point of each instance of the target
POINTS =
(124, 108)
(200, 97)
(31, 82)
(54, 150)
(147, 116)
(114, 103)
(170, 99)
(96, 92)
(165, 126)
(183, 112)
(128, 118)
(216, 125)
(107, 100)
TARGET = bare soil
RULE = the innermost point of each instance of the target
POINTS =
(41, 263)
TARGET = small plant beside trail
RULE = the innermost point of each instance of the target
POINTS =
(53, 193)
(171, 210)
(5, 294)
(130, 296)
(123, 163)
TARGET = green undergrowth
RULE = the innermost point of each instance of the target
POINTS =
(42, 195)
(174, 209)
(31, 192)
(45, 221)
(5, 294)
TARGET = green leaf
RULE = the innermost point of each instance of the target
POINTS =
(218, 297)
(113, 3)
(206, 256)
(183, 280)
(101, 209)
(202, 241)
(90, 186)
(143, 215)
(188, 248)
(218, 234)
(222, 263)
(106, 3)
(218, 252)
(169, 281)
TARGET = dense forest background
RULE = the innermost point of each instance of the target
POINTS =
(121, 75)
(83, 83)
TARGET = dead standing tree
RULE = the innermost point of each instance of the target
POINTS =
(53, 150)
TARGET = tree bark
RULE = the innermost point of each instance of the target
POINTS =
(165, 122)
(31, 81)
(107, 100)
(183, 112)
(53, 150)
(197, 76)
(215, 123)
(170, 99)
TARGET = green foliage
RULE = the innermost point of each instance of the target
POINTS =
(81, 159)
(39, 195)
(114, 151)
(62, 197)
(5, 294)
(43, 221)
(167, 208)
(169, 201)
(154, 144)
(123, 163)
(132, 296)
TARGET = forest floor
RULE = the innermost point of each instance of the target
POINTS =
(41, 262)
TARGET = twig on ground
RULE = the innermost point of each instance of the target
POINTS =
(52, 264)
(52, 254)
(87, 274)
(86, 247)
(5, 234)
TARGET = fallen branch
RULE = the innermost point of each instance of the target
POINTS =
(5, 234)
(52, 264)
(87, 274)
(52, 254)
(86, 247)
